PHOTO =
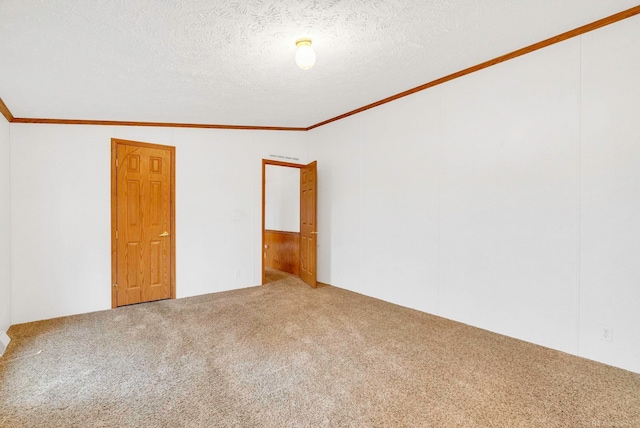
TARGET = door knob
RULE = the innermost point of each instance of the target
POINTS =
(163, 234)
(314, 233)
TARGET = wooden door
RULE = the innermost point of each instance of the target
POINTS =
(144, 242)
(308, 225)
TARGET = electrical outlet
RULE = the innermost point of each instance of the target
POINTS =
(606, 334)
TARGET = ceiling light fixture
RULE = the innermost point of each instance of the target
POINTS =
(305, 55)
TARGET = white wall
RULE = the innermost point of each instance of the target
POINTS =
(610, 194)
(61, 211)
(282, 198)
(5, 234)
(508, 199)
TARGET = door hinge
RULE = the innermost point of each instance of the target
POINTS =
(116, 234)
(116, 162)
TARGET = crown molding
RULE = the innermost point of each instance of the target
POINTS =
(506, 57)
(531, 48)
(10, 118)
(6, 112)
(152, 124)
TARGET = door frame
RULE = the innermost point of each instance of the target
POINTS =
(114, 210)
(266, 162)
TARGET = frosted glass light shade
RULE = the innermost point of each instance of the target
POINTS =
(305, 55)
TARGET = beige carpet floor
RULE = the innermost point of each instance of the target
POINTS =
(286, 355)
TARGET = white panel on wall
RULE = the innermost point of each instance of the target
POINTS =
(282, 198)
(610, 197)
(5, 231)
(61, 254)
(215, 197)
(61, 223)
(509, 197)
(336, 147)
(399, 202)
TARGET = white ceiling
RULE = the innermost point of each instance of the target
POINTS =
(232, 61)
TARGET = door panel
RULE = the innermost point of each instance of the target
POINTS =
(143, 223)
(308, 226)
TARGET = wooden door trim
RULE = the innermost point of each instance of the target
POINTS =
(266, 162)
(114, 194)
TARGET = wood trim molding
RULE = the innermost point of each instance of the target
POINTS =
(114, 223)
(6, 112)
(10, 118)
(506, 57)
(114, 184)
(173, 222)
(528, 49)
(154, 124)
(280, 163)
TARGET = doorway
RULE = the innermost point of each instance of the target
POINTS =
(142, 222)
(289, 226)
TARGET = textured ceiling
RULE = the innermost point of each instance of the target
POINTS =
(232, 61)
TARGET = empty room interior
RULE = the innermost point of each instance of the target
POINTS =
(340, 213)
